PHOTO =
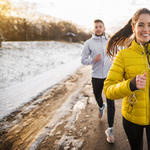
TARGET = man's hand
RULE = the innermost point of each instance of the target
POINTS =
(141, 81)
(97, 57)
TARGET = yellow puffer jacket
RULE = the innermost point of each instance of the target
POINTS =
(127, 64)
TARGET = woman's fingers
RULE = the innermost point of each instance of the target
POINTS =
(141, 81)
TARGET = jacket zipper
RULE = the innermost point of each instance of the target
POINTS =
(148, 53)
(101, 40)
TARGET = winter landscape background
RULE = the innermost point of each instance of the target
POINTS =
(29, 68)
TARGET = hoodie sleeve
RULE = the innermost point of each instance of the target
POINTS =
(86, 55)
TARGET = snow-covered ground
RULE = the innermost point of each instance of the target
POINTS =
(29, 68)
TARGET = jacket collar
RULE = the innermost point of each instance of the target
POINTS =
(140, 48)
(100, 37)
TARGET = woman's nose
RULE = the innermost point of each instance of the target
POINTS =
(146, 28)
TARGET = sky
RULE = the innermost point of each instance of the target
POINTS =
(114, 13)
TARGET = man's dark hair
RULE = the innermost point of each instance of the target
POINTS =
(98, 20)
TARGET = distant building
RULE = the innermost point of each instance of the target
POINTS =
(70, 35)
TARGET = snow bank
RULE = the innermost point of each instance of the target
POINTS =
(29, 68)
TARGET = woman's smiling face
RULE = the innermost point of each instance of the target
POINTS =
(142, 29)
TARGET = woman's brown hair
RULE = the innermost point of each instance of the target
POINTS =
(120, 38)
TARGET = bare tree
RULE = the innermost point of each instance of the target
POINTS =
(25, 23)
(28, 15)
(1, 38)
(5, 9)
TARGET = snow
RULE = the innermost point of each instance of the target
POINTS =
(29, 68)
(57, 120)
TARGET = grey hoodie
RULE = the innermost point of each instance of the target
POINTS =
(92, 47)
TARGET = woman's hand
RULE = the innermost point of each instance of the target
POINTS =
(141, 81)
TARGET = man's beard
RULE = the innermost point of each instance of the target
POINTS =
(100, 34)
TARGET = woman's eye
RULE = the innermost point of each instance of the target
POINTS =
(140, 25)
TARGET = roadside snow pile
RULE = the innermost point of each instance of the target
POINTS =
(29, 68)
(23, 60)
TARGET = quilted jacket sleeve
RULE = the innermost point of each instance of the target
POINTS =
(115, 86)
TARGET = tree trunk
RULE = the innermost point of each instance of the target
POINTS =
(0, 43)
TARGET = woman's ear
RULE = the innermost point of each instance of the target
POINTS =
(132, 29)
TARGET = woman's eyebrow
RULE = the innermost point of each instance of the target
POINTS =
(140, 22)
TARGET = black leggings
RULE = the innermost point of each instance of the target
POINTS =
(134, 133)
(97, 90)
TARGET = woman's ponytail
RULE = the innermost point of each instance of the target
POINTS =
(119, 39)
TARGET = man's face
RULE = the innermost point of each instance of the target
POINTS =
(99, 28)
